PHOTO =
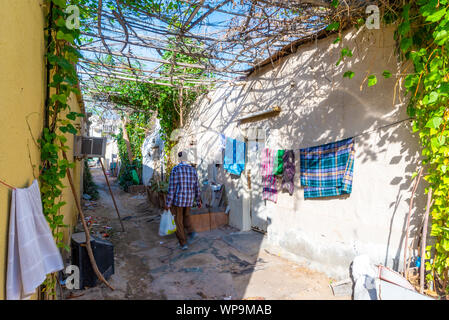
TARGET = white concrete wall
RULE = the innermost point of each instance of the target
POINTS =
(111, 149)
(320, 106)
(151, 157)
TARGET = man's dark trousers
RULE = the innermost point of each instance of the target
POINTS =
(182, 221)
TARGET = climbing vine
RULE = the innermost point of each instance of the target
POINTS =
(136, 136)
(89, 186)
(422, 35)
(139, 102)
(61, 57)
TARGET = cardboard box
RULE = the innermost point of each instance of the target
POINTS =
(156, 198)
(153, 197)
(137, 189)
(207, 219)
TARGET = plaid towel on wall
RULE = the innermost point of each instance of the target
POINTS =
(327, 170)
(268, 178)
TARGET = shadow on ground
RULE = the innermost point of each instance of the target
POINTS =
(222, 264)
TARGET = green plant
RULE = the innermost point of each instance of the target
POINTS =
(126, 178)
(159, 186)
(141, 102)
(61, 57)
(423, 39)
(89, 186)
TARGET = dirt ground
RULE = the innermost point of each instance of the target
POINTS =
(223, 264)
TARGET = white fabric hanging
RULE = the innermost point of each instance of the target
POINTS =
(32, 252)
(216, 149)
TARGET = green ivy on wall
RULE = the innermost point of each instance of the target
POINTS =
(422, 34)
(138, 102)
(61, 56)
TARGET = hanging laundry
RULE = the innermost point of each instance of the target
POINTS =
(222, 141)
(327, 170)
(234, 158)
(288, 173)
(269, 191)
(217, 150)
(32, 252)
(278, 166)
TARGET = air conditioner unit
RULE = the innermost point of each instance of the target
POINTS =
(89, 147)
(109, 128)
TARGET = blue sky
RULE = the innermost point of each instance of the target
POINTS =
(214, 23)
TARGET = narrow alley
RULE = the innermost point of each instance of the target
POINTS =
(224, 151)
(223, 264)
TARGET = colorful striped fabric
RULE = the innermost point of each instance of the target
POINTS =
(268, 178)
(288, 172)
(327, 170)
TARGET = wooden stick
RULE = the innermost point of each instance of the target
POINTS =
(408, 221)
(126, 138)
(86, 229)
(209, 207)
(423, 243)
(112, 195)
(4, 183)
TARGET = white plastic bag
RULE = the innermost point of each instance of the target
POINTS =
(167, 225)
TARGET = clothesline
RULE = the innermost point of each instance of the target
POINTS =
(382, 127)
(4, 183)
(322, 173)
(379, 128)
(358, 135)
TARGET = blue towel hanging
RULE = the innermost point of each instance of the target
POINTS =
(234, 159)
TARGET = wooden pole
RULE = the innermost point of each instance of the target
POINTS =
(126, 138)
(86, 229)
(112, 195)
(423, 243)
(209, 206)
(408, 222)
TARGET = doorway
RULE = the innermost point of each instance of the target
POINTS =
(258, 208)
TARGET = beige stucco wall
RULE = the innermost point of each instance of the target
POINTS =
(70, 210)
(22, 98)
(320, 106)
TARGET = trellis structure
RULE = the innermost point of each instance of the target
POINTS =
(218, 41)
(223, 40)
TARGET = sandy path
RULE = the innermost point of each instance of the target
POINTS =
(222, 264)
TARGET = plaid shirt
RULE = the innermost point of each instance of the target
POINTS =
(183, 186)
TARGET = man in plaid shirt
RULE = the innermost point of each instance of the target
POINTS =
(183, 189)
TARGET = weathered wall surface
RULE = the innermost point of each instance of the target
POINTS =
(70, 210)
(151, 157)
(22, 98)
(320, 106)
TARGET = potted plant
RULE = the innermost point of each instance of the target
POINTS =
(159, 189)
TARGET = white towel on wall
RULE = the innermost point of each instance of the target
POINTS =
(32, 252)
(217, 148)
